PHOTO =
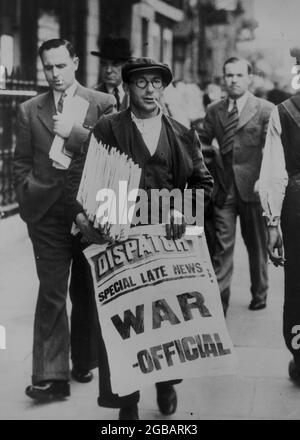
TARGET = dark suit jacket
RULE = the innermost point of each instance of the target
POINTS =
(125, 101)
(116, 130)
(38, 184)
(248, 141)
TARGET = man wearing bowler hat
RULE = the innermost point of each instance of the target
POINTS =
(114, 52)
(170, 157)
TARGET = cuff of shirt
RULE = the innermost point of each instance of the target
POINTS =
(273, 221)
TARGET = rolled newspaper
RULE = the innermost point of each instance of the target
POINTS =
(108, 178)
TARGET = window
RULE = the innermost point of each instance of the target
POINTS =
(167, 46)
(145, 35)
(48, 27)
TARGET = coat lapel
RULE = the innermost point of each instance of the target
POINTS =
(123, 137)
(223, 112)
(46, 110)
(127, 136)
(248, 112)
(81, 91)
(125, 102)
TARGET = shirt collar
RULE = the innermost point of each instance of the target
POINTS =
(70, 91)
(121, 91)
(240, 102)
(147, 121)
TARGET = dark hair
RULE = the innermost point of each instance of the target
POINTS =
(233, 60)
(54, 43)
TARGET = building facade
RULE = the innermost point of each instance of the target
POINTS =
(25, 24)
(212, 31)
(148, 24)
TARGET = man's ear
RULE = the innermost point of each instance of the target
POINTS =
(76, 62)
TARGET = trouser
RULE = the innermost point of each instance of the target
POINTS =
(106, 397)
(254, 233)
(84, 318)
(53, 251)
(290, 224)
(209, 229)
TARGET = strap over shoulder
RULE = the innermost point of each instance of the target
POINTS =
(292, 106)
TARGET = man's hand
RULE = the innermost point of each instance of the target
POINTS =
(176, 225)
(62, 125)
(90, 234)
(275, 246)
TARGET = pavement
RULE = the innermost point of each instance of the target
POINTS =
(261, 388)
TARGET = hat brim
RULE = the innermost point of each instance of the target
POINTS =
(109, 57)
(166, 74)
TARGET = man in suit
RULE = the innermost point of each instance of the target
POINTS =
(39, 181)
(114, 52)
(239, 124)
(169, 156)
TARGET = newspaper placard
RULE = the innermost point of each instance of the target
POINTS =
(160, 311)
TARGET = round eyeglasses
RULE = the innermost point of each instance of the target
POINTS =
(142, 83)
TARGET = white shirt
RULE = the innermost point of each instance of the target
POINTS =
(240, 102)
(150, 130)
(68, 100)
(111, 91)
(69, 92)
(273, 177)
(121, 92)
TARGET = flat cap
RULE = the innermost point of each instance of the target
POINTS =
(145, 64)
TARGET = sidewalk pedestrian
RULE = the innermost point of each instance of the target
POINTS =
(113, 54)
(39, 183)
(239, 124)
(170, 156)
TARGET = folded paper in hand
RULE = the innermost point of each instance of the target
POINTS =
(77, 108)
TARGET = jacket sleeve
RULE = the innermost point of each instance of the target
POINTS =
(23, 156)
(76, 168)
(266, 113)
(73, 207)
(200, 177)
(207, 131)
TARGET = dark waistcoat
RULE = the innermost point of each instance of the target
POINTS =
(157, 170)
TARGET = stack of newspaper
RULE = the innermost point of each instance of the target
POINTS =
(108, 178)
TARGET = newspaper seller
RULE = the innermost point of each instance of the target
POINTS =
(169, 156)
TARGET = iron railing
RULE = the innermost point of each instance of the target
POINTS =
(16, 92)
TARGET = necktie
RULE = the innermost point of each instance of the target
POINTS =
(60, 104)
(229, 130)
(117, 96)
(226, 147)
